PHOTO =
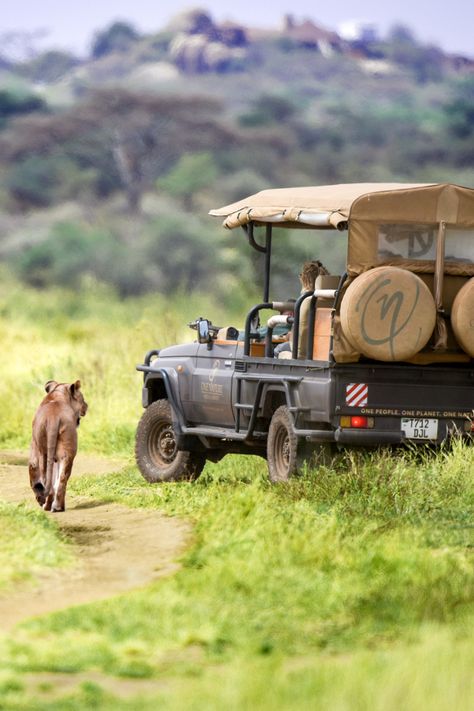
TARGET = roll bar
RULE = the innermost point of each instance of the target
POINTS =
(264, 249)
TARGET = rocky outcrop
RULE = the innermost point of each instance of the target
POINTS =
(200, 45)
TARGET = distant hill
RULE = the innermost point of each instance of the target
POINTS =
(117, 158)
(194, 44)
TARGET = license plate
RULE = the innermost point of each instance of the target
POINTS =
(419, 428)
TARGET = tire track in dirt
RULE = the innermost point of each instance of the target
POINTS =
(117, 548)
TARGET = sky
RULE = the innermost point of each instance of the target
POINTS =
(71, 25)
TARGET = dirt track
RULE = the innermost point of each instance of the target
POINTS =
(117, 548)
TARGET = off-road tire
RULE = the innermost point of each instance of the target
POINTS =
(155, 448)
(282, 446)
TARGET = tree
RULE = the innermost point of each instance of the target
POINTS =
(425, 61)
(140, 134)
(191, 173)
(39, 181)
(183, 251)
(401, 34)
(267, 109)
(49, 66)
(460, 110)
(117, 38)
(15, 104)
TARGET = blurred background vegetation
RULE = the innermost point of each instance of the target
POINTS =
(110, 163)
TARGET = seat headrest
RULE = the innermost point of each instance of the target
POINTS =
(327, 281)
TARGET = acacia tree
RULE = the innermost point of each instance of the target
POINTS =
(140, 135)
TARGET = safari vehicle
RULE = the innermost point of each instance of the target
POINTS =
(382, 354)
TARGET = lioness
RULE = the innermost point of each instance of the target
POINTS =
(54, 442)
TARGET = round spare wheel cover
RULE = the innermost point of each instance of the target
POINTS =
(462, 317)
(388, 314)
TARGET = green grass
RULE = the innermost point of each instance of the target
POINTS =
(351, 587)
(31, 542)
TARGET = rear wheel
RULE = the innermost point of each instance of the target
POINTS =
(286, 455)
(282, 446)
(156, 451)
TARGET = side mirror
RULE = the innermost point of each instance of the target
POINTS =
(204, 334)
(205, 331)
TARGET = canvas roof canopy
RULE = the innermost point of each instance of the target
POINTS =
(361, 206)
(418, 202)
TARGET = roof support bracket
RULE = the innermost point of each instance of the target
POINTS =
(248, 229)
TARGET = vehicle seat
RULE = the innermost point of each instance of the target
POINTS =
(327, 281)
(324, 281)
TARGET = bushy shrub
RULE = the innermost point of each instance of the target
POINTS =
(167, 255)
(39, 181)
(239, 183)
(65, 256)
(14, 103)
(49, 66)
(460, 110)
(183, 252)
(267, 109)
(191, 173)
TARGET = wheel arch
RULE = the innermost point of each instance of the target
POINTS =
(155, 390)
(165, 383)
(272, 397)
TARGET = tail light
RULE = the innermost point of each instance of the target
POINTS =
(357, 421)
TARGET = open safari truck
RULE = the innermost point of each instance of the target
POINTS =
(382, 354)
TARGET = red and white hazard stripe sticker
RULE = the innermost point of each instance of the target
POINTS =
(357, 394)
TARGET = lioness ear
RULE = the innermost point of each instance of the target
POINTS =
(50, 385)
(75, 386)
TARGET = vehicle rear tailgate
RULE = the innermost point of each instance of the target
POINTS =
(389, 393)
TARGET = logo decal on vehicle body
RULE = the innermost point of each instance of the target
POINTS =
(213, 372)
(211, 390)
(357, 394)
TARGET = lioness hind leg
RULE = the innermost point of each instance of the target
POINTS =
(48, 506)
(60, 483)
(37, 485)
(35, 472)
